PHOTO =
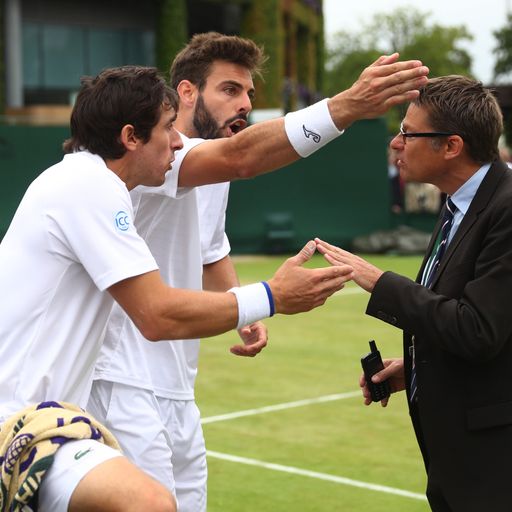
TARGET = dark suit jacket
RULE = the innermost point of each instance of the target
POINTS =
(463, 337)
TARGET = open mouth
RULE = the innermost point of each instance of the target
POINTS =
(237, 126)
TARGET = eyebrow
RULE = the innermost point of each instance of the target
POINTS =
(174, 117)
(238, 85)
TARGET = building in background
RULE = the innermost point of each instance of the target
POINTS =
(46, 45)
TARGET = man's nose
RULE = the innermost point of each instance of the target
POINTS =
(397, 142)
(246, 104)
(175, 141)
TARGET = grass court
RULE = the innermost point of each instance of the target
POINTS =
(288, 431)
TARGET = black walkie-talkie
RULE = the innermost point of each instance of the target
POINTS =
(372, 364)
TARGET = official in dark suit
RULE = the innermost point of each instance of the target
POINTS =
(457, 316)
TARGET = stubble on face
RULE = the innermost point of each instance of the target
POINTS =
(207, 126)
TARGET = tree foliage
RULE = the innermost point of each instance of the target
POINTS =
(405, 30)
(171, 32)
(503, 49)
(503, 65)
(2, 57)
(261, 23)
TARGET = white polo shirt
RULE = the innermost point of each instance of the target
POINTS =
(71, 238)
(212, 201)
(167, 218)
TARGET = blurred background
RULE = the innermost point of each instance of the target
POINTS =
(320, 449)
(348, 193)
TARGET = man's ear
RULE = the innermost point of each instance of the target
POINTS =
(187, 92)
(454, 146)
(128, 137)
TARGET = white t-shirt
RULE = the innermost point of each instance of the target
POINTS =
(71, 238)
(212, 201)
(167, 218)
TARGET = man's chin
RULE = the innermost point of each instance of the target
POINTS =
(157, 181)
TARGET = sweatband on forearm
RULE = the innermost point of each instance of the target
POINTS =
(311, 128)
(255, 302)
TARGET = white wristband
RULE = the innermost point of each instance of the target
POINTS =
(255, 302)
(311, 128)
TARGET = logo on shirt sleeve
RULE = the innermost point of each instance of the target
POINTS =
(122, 221)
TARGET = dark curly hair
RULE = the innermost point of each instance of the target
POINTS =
(132, 95)
(194, 61)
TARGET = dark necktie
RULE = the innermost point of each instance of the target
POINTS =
(430, 271)
(440, 248)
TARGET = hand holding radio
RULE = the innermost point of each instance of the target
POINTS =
(393, 372)
(372, 364)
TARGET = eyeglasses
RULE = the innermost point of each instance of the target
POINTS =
(405, 135)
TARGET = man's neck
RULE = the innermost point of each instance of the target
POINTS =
(185, 125)
(121, 168)
(457, 176)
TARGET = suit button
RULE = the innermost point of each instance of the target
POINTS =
(382, 316)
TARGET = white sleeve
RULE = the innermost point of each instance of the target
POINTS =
(94, 227)
(212, 203)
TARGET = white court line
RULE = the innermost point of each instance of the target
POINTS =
(314, 474)
(298, 471)
(280, 407)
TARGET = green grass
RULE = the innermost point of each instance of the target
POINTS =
(308, 356)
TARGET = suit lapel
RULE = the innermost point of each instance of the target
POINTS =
(478, 204)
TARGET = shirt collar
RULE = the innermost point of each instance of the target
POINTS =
(464, 195)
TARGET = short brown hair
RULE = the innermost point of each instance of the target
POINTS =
(119, 96)
(193, 63)
(460, 105)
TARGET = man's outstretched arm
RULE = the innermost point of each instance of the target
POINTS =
(163, 313)
(266, 146)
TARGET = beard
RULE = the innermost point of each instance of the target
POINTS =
(206, 125)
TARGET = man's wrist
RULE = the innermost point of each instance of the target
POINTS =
(255, 302)
(270, 297)
(311, 128)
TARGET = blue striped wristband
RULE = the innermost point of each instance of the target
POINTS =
(270, 298)
(255, 302)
